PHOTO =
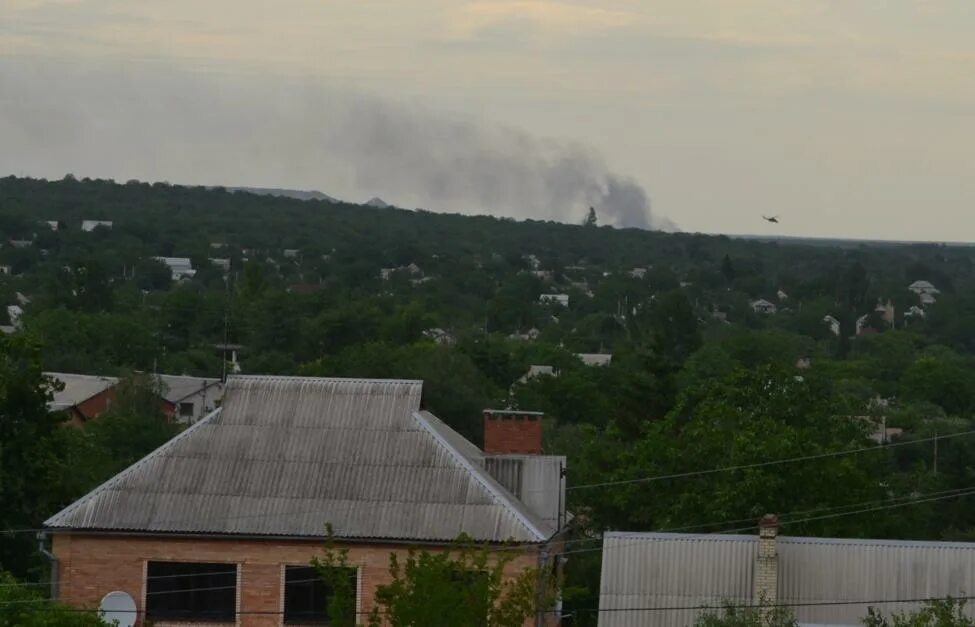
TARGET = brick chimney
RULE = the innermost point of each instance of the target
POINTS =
(512, 432)
(766, 588)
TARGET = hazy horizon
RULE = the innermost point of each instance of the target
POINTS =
(847, 120)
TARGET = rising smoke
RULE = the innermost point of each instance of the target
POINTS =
(205, 130)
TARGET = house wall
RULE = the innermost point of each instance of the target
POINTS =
(96, 405)
(91, 566)
(100, 403)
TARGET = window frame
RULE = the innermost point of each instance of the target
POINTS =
(208, 571)
(354, 570)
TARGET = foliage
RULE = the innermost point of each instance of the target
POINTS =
(761, 615)
(30, 452)
(463, 585)
(20, 606)
(134, 424)
(940, 613)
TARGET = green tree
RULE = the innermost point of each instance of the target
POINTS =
(29, 452)
(134, 425)
(590, 220)
(22, 606)
(762, 615)
(941, 613)
(463, 585)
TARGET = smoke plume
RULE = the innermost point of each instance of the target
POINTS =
(196, 129)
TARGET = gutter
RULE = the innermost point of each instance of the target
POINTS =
(55, 566)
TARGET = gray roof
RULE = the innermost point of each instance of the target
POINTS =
(661, 570)
(78, 388)
(177, 388)
(284, 456)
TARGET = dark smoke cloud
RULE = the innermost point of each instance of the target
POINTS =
(213, 130)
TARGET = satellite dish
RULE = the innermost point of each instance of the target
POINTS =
(118, 608)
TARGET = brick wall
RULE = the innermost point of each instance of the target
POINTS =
(512, 432)
(91, 566)
(766, 585)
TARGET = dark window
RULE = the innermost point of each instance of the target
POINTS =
(186, 410)
(306, 596)
(183, 591)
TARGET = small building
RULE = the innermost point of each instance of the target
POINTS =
(180, 267)
(638, 273)
(291, 253)
(221, 262)
(90, 225)
(595, 359)
(54, 225)
(825, 581)
(927, 299)
(5, 269)
(762, 306)
(83, 397)
(558, 299)
(914, 313)
(191, 398)
(14, 313)
(21, 243)
(530, 335)
(923, 287)
(439, 336)
(538, 371)
(238, 503)
(833, 324)
(782, 296)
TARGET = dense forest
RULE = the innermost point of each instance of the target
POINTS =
(725, 352)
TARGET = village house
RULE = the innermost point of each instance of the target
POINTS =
(595, 359)
(538, 371)
(179, 267)
(832, 324)
(221, 262)
(221, 523)
(85, 397)
(826, 581)
(191, 398)
(559, 299)
(530, 335)
(762, 306)
(90, 225)
(82, 397)
(439, 336)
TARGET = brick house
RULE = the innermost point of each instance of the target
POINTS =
(85, 397)
(220, 524)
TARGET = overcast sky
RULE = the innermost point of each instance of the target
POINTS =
(851, 118)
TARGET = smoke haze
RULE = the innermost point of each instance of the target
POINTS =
(201, 129)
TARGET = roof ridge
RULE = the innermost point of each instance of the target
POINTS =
(498, 492)
(78, 503)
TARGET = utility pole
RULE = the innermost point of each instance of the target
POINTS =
(935, 452)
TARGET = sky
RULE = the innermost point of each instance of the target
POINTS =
(845, 118)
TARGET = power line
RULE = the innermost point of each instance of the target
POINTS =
(45, 605)
(955, 494)
(789, 460)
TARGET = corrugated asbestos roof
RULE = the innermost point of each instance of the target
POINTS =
(660, 570)
(284, 456)
(179, 387)
(77, 388)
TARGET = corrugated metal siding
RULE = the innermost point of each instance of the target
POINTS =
(677, 570)
(285, 456)
(666, 571)
(536, 480)
(815, 570)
